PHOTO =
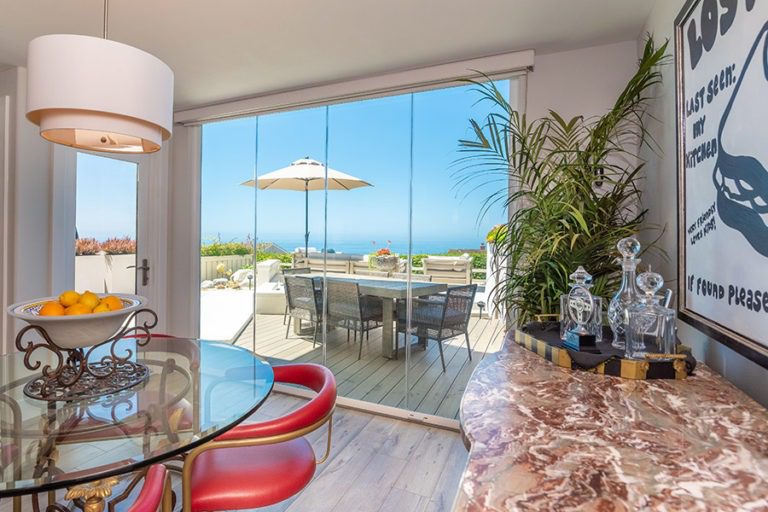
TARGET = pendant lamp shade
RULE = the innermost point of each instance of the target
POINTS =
(99, 95)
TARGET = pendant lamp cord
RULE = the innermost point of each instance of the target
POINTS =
(106, 16)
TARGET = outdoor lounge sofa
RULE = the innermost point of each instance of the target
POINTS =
(448, 269)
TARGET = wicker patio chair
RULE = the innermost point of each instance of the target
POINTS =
(372, 273)
(414, 277)
(291, 272)
(348, 308)
(305, 302)
(438, 317)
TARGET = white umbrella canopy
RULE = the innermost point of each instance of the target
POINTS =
(305, 175)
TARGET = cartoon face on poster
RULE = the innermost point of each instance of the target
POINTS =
(722, 88)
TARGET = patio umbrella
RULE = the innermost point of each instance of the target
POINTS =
(306, 175)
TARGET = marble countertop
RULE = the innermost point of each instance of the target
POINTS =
(549, 438)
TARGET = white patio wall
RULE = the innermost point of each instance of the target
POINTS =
(105, 273)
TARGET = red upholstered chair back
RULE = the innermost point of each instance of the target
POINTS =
(307, 417)
(156, 489)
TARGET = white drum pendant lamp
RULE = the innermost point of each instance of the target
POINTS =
(99, 95)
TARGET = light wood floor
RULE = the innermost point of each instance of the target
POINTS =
(377, 464)
(376, 379)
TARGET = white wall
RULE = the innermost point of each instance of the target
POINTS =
(660, 198)
(28, 200)
(580, 82)
(183, 254)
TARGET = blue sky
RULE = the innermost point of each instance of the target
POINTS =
(368, 139)
(106, 197)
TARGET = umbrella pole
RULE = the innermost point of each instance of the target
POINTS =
(306, 219)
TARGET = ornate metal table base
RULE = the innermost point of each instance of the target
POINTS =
(122, 376)
(75, 375)
(90, 496)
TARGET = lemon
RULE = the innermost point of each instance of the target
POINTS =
(101, 308)
(90, 299)
(69, 298)
(113, 302)
(78, 309)
(51, 308)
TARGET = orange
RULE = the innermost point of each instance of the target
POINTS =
(77, 309)
(51, 308)
(101, 308)
(69, 298)
(90, 299)
(113, 302)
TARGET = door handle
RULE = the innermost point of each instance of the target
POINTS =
(144, 271)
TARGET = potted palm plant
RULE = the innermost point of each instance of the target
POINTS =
(571, 188)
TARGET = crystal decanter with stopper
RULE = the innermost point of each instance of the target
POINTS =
(629, 248)
(595, 326)
(651, 328)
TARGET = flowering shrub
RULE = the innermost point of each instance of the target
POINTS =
(87, 246)
(119, 246)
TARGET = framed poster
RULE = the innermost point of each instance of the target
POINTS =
(721, 62)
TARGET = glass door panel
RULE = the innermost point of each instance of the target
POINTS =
(106, 224)
(227, 279)
(289, 234)
(450, 223)
(368, 242)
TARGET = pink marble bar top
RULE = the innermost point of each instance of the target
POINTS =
(547, 438)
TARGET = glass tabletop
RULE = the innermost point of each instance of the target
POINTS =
(189, 398)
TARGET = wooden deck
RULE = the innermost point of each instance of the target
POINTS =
(376, 379)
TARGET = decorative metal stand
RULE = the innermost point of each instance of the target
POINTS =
(75, 375)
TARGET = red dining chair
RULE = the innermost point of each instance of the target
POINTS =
(156, 493)
(259, 464)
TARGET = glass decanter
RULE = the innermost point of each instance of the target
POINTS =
(627, 294)
(595, 326)
(651, 328)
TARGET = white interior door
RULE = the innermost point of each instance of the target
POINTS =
(109, 225)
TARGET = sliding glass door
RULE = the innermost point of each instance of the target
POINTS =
(356, 245)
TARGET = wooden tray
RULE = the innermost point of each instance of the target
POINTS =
(546, 343)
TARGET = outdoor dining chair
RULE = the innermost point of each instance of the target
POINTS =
(438, 317)
(348, 308)
(291, 272)
(304, 302)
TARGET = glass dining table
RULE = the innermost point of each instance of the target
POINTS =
(189, 398)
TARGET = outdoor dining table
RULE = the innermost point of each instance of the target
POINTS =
(389, 290)
(83, 445)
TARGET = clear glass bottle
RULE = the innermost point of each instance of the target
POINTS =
(629, 248)
(651, 326)
(595, 326)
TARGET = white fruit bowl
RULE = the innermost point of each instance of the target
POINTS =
(78, 331)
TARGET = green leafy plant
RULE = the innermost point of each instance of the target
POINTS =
(570, 186)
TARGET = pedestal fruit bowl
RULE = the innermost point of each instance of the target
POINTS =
(78, 331)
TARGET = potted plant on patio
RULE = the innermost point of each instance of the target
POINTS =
(384, 260)
(571, 187)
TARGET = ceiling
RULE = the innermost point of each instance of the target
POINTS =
(229, 49)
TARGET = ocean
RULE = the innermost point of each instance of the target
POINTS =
(359, 246)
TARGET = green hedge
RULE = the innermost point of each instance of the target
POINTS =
(284, 258)
(226, 249)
